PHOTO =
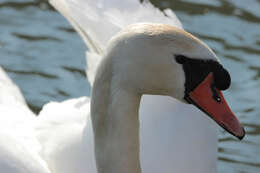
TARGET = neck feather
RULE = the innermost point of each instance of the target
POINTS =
(114, 113)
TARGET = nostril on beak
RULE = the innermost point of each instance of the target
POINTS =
(215, 93)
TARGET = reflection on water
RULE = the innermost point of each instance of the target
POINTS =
(45, 57)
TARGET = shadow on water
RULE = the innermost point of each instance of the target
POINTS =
(38, 51)
(34, 38)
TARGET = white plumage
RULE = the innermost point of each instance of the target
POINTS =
(19, 147)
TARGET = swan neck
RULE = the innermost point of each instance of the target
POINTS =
(114, 114)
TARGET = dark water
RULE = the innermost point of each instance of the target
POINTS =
(45, 57)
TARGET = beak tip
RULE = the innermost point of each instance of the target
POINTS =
(203, 97)
(240, 137)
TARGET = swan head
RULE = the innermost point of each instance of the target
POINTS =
(163, 60)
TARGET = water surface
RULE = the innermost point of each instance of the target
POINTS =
(45, 57)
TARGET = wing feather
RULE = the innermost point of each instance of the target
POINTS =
(97, 21)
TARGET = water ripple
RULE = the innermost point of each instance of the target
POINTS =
(34, 38)
(37, 73)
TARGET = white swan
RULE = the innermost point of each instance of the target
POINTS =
(142, 59)
(165, 138)
(133, 66)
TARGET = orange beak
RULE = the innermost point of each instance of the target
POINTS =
(211, 101)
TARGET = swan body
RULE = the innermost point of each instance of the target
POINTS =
(167, 136)
(71, 147)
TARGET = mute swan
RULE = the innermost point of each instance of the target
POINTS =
(142, 59)
(165, 139)
(67, 142)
